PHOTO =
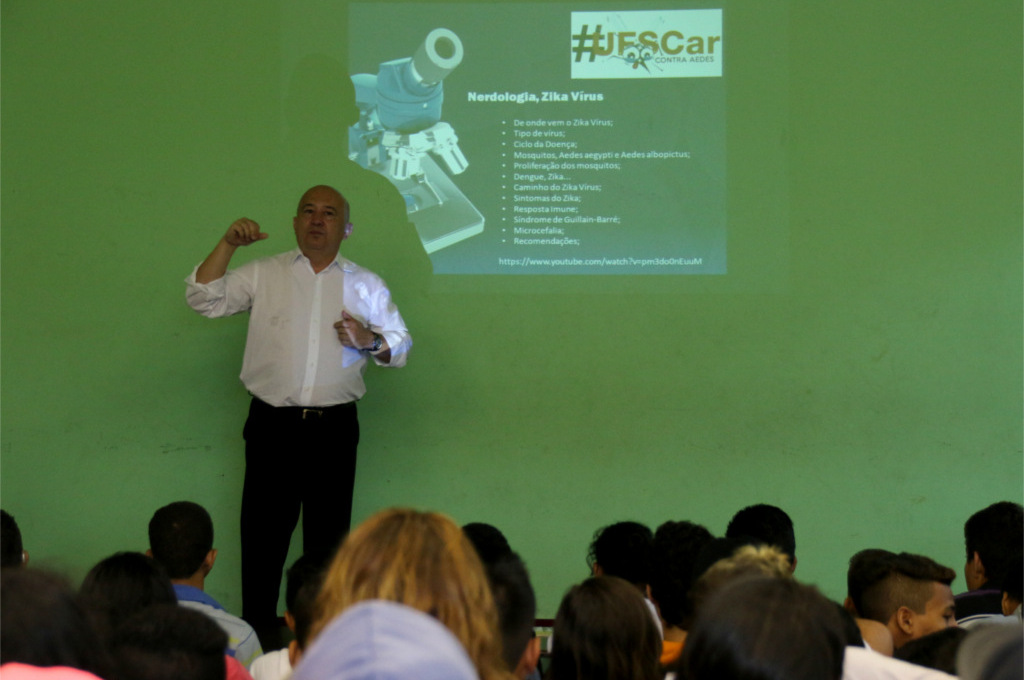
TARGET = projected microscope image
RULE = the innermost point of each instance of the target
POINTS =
(400, 130)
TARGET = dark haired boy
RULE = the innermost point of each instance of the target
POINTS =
(765, 524)
(181, 539)
(676, 547)
(911, 596)
(304, 579)
(626, 550)
(993, 537)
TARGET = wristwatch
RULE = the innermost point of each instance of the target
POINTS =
(378, 342)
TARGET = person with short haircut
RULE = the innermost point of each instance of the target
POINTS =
(316, 321)
(993, 537)
(513, 597)
(911, 597)
(676, 546)
(623, 549)
(490, 543)
(866, 568)
(303, 581)
(517, 607)
(422, 560)
(168, 642)
(766, 524)
(12, 552)
(626, 550)
(604, 631)
(181, 539)
(765, 628)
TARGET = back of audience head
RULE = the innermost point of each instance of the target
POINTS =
(912, 598)
(992, 537)
(168, 642)
(12, 551)
(867, 568)
(718, 549)
(490, 543)
(604, 631)
(676, 547)
(181, 538)
(303, 583)
(381, 640)
(935, 650)
(43, 624)
(748, 561)
(513, 596)
(517, 608)
(422, 560)
(623, 549)
(991, 653)
(121, 585)
(764, 628)
(766, 524)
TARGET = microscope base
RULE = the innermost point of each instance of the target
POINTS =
(441, 212)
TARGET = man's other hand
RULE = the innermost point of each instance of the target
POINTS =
(352, 333)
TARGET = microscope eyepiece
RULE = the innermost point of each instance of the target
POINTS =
(438, 56)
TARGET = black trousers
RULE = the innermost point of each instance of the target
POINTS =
(294, 458)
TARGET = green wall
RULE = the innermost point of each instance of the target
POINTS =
(872, 385)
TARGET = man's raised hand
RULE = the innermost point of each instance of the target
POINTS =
(243, 232)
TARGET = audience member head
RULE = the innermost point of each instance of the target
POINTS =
(168, 642)
(676, 546)
(912, 598)
(422, 560)
(766, 524)
(122, 584)
(488, 540)
(867, 568)
(43, 624)
(935, 650)
(748, 561)
(993, 538)
(991, 653)
(381, 640)
(181, 539)
(12, 552)
(718, 549)
(765, 628)
(1013, 587)
(623, 549)
(604, 631)
(517, 607)
(304, 579)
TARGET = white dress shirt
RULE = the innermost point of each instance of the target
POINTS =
(292, 353)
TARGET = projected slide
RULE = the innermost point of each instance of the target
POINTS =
(547, 138)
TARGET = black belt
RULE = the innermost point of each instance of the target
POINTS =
(306, 412)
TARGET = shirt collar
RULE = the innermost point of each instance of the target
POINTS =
(192, 594)
(345, 265)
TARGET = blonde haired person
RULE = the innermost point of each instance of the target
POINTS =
(422, 560)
